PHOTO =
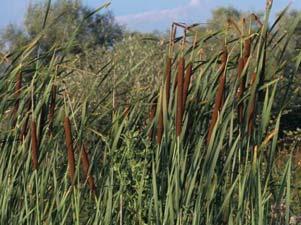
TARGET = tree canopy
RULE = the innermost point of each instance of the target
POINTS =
(64, 17)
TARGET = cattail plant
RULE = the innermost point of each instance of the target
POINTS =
(152, 114)
(257, 20)
(240, 89)
(247, 50)
(189, 72)
(241, 65)
(34, 145)
(43, 119)
(219, 94)
(169, 64)
(251, 110)
(160, 128)
(168, 78)
(17, 92)
(86, 166)
(70, 151)
(180, 86)
(25, 125)
(187, 83)
(52, 107)
(179, 108)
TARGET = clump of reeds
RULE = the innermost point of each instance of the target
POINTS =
(86, 166)
(70, 151)
(218, 103)
(34, 145)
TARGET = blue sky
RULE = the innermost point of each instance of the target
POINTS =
(148, 15)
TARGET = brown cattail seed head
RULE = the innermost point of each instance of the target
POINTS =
(70, 151)
(247, 50)
(167, 79)
(86, 165)
(179, 110)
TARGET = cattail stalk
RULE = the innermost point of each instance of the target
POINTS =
(152, 115)
(160, 128)
(17, 92)
(179, 109)
(25, 125)
(24, 128)
(241, 65)
(34, 145)
(251, 111)
(43, 119)
(70, 151)
(52, 107)
(257, 20)
(240, 89)
(86, 165)
(247, 50)
(168, 79)
(187, 83)
(219, 95)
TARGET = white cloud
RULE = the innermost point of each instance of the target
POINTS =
(159, 15)
(194, 2)
(152, 16)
